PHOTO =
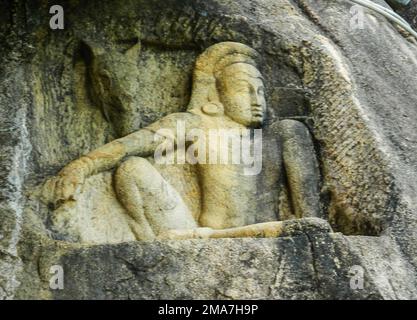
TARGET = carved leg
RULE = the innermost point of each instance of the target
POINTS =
(271, 229)
(153, 203)
(260, 230)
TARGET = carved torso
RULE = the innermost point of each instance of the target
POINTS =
(236, 207)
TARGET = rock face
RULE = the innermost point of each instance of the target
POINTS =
(409, 12)
(353, 86)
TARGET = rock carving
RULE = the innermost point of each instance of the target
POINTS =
(227, 94)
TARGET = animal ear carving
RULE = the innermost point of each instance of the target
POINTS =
(90, 51)
(133, 51)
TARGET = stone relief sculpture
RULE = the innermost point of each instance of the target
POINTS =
(227, 94)
(112, 89)
(122, 74)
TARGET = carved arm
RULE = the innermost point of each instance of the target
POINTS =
(301, 167)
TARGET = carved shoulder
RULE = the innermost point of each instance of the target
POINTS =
(172, 121)
(143, 142)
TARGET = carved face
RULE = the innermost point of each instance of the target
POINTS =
(241, 91)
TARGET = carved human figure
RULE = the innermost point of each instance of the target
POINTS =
(228, 93)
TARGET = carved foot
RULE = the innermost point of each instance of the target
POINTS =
(272, 229)
(199, 233)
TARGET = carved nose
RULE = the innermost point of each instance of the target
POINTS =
(256, 99)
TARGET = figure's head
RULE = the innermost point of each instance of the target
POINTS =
(226, 76)
(241, 91)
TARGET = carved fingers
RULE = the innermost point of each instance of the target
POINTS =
(64, 186)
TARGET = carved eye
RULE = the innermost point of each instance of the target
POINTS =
(261, 90)
(105, 79)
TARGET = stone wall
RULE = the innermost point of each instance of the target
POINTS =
(355, 89)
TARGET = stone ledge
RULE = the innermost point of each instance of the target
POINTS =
(313, 265)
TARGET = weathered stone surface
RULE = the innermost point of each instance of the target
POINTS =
(355, 89)
(409, 12)
(313, 265)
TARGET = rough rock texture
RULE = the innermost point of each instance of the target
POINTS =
(409, 12)
(354, 88)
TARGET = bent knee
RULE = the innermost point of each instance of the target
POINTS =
(136, 169)
(133, 164)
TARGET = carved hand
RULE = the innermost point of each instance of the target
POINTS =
(64, 186)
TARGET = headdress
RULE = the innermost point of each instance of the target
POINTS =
(208, 66)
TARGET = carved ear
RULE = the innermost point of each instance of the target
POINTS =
(90, 51)
(134, 50)
(213, 109)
